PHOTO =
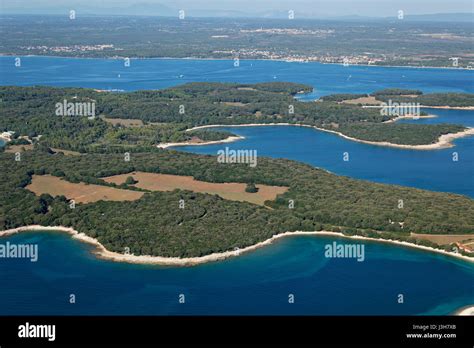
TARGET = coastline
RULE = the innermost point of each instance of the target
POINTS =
(408, 117)
(187, 143)
(444, 141)
(466, 310)
(102, 253)
(448, 107)
(232, 59)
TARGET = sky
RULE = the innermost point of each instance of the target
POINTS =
(254, 8)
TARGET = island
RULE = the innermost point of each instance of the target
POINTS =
(106, 179)
(135, 121)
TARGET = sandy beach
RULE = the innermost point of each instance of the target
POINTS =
(188, 143)
(102, 253)
(444, 141)
(409, 117)
(448, 107)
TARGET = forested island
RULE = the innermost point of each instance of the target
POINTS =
(165, 115)
(397, 95)
(184, 223)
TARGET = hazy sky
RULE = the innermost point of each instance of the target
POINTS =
(372, 8)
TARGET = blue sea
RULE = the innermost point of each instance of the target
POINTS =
(432, 170)
(258, 282)
(111, 74)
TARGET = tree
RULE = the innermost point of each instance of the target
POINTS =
(130, 180)
(251, 188)
(41, 207)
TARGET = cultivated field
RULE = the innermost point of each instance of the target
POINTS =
(80, 193)
(443, 238)
(18, 148)
(126, 122)
(230, 191)
(363, 100)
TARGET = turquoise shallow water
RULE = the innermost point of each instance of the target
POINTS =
(258, 282)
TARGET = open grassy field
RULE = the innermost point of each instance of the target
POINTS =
(124, 122)
(234, 103)
(443, 238)
(363, 100)
(18, 148)
(80, 192)
(66, 152)
(230, 191)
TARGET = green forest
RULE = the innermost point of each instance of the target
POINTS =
(431, 99)
(400, 133)
(397, 95)
(31, 111)
(154, 224)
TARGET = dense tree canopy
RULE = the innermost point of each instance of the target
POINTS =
(155, 224)
(31, 111)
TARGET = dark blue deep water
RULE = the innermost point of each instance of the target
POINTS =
(162, 73)
(258, 282)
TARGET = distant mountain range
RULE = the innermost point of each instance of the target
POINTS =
(147, 9)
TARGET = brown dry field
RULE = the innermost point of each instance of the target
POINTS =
(81, 193)
(126, 122)
(364, 100)
(195, 140)
(234, 103)
(230, 191)
(66, 152)
(18, 148)
(409, 95)
(443, 238)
